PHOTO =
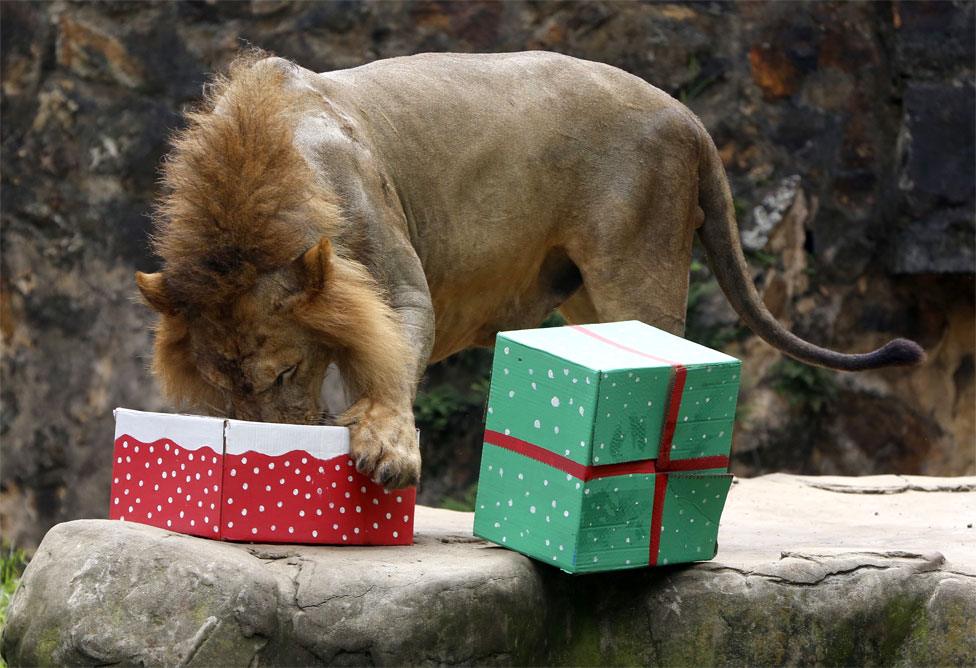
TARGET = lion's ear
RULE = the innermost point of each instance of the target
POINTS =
(315, 266)
(153, 289)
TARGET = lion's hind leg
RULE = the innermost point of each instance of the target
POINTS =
(635, 291)
(579, 309)
(637, 270)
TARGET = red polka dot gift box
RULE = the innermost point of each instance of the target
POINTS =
(250, 481)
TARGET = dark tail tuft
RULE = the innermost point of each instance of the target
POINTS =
(900, 352)
(720, 235)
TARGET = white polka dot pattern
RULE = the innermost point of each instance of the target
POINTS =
(313, 500)
(289, 498)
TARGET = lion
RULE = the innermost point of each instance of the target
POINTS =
(384, 217)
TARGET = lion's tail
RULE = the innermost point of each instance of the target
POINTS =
(720, 236)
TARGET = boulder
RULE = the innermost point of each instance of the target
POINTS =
(879, 570)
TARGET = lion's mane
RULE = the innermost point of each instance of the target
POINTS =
(238, 201)
(233, 186)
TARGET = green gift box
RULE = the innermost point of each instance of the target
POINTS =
(606, 446)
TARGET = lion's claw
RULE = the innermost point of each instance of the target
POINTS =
(383, 443)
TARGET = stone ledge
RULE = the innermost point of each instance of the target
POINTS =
(807, 572)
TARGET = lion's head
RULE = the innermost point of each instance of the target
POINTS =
(255, 300)
(250, 356)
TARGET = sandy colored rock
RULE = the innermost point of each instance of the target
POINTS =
(832, 571)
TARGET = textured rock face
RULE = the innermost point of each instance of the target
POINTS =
(835, 571)
(846, 130)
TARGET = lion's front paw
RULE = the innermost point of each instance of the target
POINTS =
(383, 443)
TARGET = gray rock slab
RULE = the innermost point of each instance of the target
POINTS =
(835, 571)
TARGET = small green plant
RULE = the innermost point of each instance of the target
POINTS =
(740, 207)
(762, 258)
(699, 327)
(449, 411)
(12, 564)
(481, 386)
(463, 503)
(434, 408)
(459, 385)
(811, 387)
(698, 81)
(555, 319)
(811, 268)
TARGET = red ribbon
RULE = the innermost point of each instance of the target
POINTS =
(662, 465)
(585, 473)
(564, 464)
(674, 403)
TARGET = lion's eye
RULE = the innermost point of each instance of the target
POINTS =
(285, 375)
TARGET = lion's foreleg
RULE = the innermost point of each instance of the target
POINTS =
(379, 340)
(416, 313)
(384, 441)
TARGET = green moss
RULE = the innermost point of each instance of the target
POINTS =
(584, 646)
(837, 644)
(920, 632)
(575, 635)
(900, 614)
(202, 611)
(943, 633)
(47, 645)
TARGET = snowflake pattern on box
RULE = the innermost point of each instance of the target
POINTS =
(606, 446)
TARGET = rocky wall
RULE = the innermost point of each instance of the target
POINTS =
(846, 130)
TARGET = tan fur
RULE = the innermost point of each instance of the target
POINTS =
(236, 187)
(478, 193)
(239, 280)
(174, 366)
(362, 328)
